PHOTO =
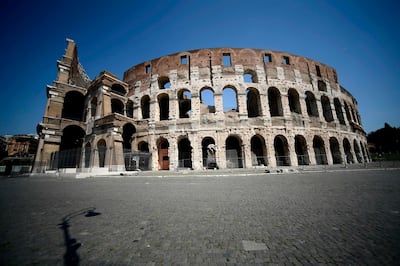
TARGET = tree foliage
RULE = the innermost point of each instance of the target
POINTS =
(385, 140)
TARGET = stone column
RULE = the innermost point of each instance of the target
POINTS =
(271, 151)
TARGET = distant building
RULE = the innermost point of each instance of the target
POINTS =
(19, 153)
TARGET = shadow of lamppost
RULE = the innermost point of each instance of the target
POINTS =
(71, 257)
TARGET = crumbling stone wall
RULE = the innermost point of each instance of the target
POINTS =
(287, 110)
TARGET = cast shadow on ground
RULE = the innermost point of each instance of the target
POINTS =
(71, 256)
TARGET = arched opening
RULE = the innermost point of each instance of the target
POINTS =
(163, 157)
(209, 153)
(326, 108)
(88, 153)
(258, 151)
(145, 106)
(229, 100)
(311, 104)
(185, 103)
(347, 151)
(207, 101)
(163, 105)
(339, 111)
(143, 146)
(102, 150)
(118, 89)
(253, 102)
(129, 109)
(281, 151)
(363, 152)
(73, 107)
(250, 76)
(164, 83)
(117, 106)
(321, 85)
(319, 150)
(300, 146)
(275, 102)
(335, 150)
(184, 153)
(70, 147)
(294, 101)
(127, 134)
(233, 151)
(357, 151)
(346, 109)
(93, 107)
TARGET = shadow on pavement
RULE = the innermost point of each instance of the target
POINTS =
(71, 256)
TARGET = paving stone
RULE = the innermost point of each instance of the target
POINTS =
(298, 219)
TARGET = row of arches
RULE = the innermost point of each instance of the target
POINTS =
(73, 107)
(284, 151)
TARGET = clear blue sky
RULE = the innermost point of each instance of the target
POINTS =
(358, 38)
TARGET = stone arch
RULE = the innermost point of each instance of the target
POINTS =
(184, 153)
(363, 152)
(70, 147)
(357, 151)
(326, 108)
(163, 156)
(117, 106)
(145, 106)
(163, 105)
(258, 150)
(209, 151)
(207, 100)
(335, 150)
(253, 102)
(294, 101)
(250, 76)
(184, 103)
(275, 102)
(311, 104)
(143, 146)
(234, 152)
(129, 108)
(73, 107)
(300, 146)
(164, 83)
(118, 89)
(128, 130)
(102, 150)
(321, 85)
(347, 151)
(229, 99)
(319, 150)
(347, 111)
(339, 111)
(281, 148)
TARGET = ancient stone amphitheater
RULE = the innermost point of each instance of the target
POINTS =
(201, 109)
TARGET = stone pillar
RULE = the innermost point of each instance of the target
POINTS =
(271, 151)
(310, 150)
(328, 151)
(292, 151)
(197, 162)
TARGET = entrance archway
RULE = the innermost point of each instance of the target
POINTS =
(163, 157)
(281, 151)
(233, 151)
(258, 151)
(184, 153)
(209, 153)
(335, 150)
(319, 150)
(300, 146)
(70, 147)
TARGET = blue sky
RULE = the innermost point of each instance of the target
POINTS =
(358, 38)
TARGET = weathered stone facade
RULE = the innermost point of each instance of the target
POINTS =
(199, 109)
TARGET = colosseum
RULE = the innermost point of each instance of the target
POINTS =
(202, 109)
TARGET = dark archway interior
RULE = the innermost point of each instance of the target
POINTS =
(73, 107)
(127, 133)
(185, 153)
(233, 152)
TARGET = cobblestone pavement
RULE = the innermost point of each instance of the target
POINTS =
(342, 217)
